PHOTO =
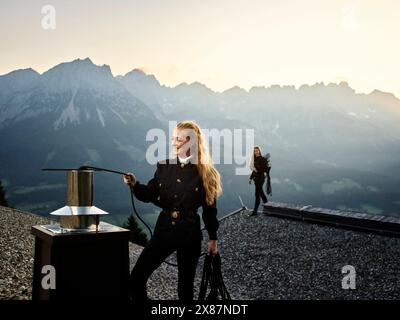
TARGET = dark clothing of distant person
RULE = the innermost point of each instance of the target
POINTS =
(258, 176)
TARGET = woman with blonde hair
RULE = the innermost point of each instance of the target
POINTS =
(260, 168)
(180, 185)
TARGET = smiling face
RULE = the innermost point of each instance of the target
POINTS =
(182, 141)
(257, 152)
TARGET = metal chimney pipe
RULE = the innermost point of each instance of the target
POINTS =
(79, 213)
(80, 188)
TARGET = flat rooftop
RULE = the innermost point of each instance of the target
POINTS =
(263, 257)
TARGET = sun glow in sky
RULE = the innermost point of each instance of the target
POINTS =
(220, 43)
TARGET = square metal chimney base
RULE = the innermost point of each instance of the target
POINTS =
(88, 265)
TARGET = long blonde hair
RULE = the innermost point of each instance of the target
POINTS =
(209, 175)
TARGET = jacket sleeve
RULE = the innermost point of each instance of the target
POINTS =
(211, 222)
(149, 192)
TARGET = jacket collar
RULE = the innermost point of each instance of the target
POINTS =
(185, 160)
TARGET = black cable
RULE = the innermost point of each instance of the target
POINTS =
(101, 169)
(137, 214)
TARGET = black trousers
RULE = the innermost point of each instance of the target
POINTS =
(160, 246)
(259, 193)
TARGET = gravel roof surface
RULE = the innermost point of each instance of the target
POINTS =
(263, 257)
(16, 253)
(267, 257)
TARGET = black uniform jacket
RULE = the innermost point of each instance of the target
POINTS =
(261, 165)
(177, 186)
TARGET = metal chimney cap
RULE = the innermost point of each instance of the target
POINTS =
(78, 211)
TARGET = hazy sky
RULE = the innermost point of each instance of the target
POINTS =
(220, 43)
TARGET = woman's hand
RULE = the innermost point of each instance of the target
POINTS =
(212, 247)
(130, 179)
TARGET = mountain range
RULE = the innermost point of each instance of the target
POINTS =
(329, 145)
